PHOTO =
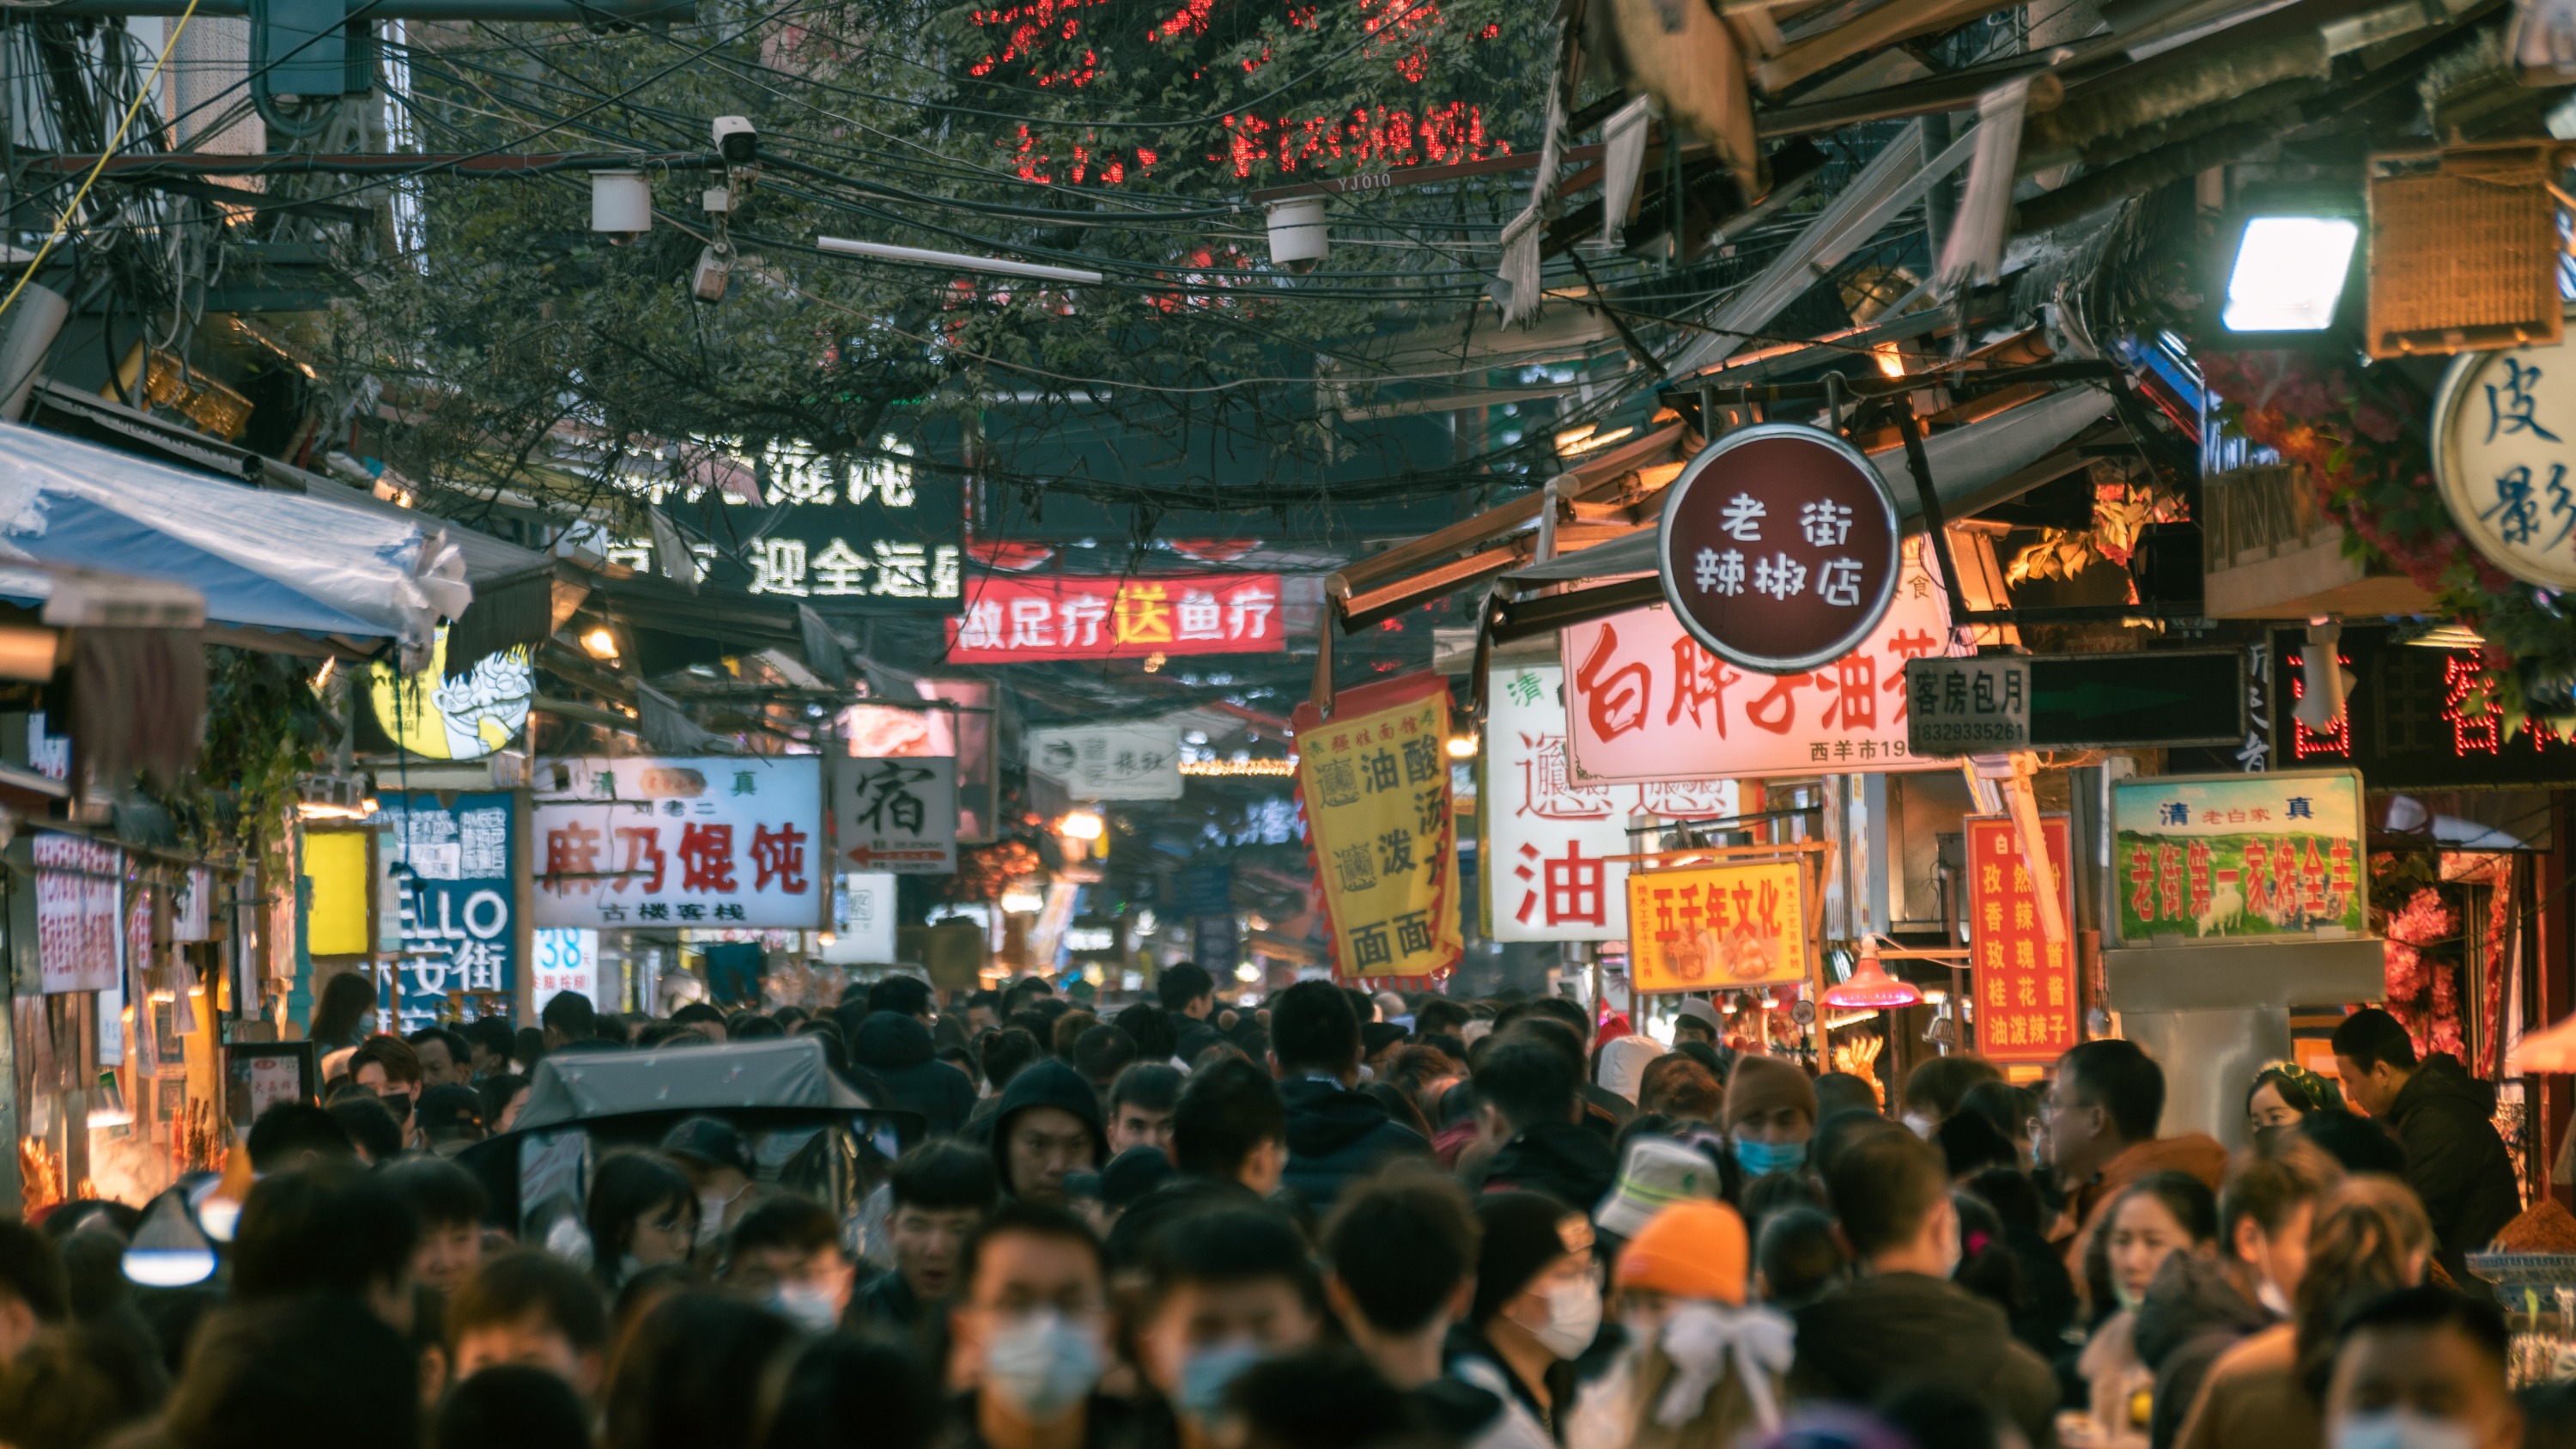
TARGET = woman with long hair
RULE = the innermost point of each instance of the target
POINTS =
(643, 1212)
(340, 1016)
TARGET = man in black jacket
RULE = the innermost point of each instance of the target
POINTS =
(1189, 994)
(1525, 1089)
(897, 1048)
(1335, 1133)
(2443, 1117)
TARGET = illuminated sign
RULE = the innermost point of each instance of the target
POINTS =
(1017, 620)
(2418, 718)
(464, 718)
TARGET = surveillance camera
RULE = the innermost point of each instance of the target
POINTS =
(736, 140)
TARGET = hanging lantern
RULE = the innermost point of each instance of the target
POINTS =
(1870, 987)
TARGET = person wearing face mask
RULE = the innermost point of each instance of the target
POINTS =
(719, 1163)
(2422, 1368)
(1902, 1320)
(1228, 1285)
(1029, 1329)
(1702, 1370)
(2155, 1219)
(1770, 1115)
(2197, 1307)
(640, 1213)
(786, 1255)
(2371, 1237)
(1527, 1109)
(1537, 1305)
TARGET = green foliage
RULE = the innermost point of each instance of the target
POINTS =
(264, 724)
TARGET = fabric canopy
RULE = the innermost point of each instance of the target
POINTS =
(789, 1072)
(263, 559)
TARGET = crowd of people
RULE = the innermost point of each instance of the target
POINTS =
(1329, 1220)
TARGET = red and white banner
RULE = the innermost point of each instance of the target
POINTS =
(1024, 620)
(1645, 702)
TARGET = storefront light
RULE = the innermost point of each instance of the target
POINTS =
(1462, 747)
(168, 1251)
(2288, 273)
(1081, 825)
(1022, 903)
(600, 644)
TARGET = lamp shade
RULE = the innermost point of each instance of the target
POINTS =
(1870, 987)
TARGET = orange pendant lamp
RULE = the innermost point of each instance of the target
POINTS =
(1870, 987)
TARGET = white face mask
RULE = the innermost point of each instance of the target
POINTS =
(711, 1214)
(806, 1305)
(1920, 1125)
(1573, 1319)
(2399, 1429)
(2270, 1295)
(1042, 1365)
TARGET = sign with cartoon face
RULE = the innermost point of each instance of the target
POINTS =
(464, 718)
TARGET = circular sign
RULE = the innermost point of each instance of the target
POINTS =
(2504, 444)
(1779, 549)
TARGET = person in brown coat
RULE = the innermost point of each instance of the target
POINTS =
(2101, 1115)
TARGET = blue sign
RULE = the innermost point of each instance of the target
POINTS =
(455, 865)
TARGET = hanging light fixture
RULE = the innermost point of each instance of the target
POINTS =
(168, 1250)
(1869, 985)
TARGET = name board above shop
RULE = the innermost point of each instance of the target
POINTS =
(1122, 761)
(2417, 719)
(2237, 857)
(1999, 702)
(865, 533)
(454, 867)
(1778, 550)
(715, 841)
(1549, 838)
(1011, 620)
(463, 718)
(896, 815)
(1645, 702)
(2502, 429)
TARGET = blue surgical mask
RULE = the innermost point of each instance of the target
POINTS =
(1761, 1158)
(1206, 1373)
(1042, 1365)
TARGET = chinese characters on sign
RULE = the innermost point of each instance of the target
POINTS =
(1718, 927)
(1138, 760)
(1011, 620)
(870, 533)
(2025, 982)
(454, 867)
(2500, 454)
(567, 960)
(76, 918)
(1779, 547)
(897, 815)
(2232, 856)
(1549, 838)
(1645, 702)
(1967, 706)
(1374, 784)
(718, 841)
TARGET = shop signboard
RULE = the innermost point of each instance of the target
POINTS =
(1014, 620)
(1778, 551)
(465, 717)
(709, 842)
(1724, 927)
(2418, 718)
(863, 920)
(2501, 422)
(1124, 760)
(2239, 857)
(454, 864)
(77, 880)
(1645, 702)
(2024, 982)
(897, 815)
(872, 532)
(567, 960)
(1550, 838)
(1978, 706)
(1373, 784)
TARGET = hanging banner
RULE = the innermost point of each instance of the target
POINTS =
(2232, 857)
(714, 841)
(76, 917)
(454, 868)
(465, 718)
(1645, 702)
(1132, 760)
(898, 815)
(1373, 784)
(1718, 927)
(2024, 982)
(1013, 620)
(1548, 837)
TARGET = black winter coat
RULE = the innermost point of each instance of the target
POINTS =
(1336, 1134)
(2456, 1163)
(1888, 1330)
(897, 1049)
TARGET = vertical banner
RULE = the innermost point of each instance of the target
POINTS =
(1718, 927)
(76, 918)
(2025, 983)
(719, 841)
(453, 870)
(1373, 785)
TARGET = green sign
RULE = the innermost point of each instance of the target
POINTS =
(2238, 857)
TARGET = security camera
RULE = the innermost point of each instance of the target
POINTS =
(736, 140)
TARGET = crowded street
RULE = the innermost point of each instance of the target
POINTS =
(1256, 724)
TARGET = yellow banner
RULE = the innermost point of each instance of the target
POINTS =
(1373, 782)
(1718, 927)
